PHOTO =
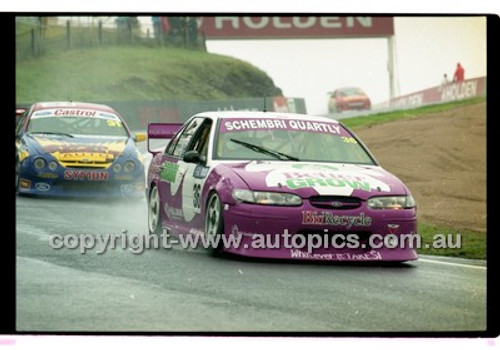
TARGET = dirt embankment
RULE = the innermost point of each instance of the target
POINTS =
(442, 159)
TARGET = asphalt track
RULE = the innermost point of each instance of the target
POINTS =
(175, 290)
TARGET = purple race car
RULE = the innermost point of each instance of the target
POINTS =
(276, 185)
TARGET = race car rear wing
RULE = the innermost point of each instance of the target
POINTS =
(161, 131)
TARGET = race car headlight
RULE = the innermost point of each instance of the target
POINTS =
(392, 202)
(129, 166)
(117, 168)
(267, 198)
(39, 163)
(53, 166)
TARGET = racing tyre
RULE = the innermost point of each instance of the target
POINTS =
(214, 224)
(154, 212)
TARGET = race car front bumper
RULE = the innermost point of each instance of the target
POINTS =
(99, 184)
(362, 234)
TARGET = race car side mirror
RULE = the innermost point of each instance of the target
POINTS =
(192, 157)
(161, 131)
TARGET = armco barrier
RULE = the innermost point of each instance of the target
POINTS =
(138, 114)
(469, 88)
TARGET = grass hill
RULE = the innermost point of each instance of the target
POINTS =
(131, 73)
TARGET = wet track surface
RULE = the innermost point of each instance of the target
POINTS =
(174, 290)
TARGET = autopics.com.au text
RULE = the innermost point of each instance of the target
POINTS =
(138, 243)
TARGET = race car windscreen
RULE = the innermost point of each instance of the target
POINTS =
(351, 92)
(286, 139)
(77, 125)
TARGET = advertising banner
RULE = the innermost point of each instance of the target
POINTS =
(295, 27)
(445, 93)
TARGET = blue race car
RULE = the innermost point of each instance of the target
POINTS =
(77, 149)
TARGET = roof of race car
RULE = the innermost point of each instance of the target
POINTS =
(349, 88)
(260, 114)
(82, 105)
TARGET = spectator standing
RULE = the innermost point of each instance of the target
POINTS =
(459, 73)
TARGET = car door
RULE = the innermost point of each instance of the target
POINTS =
(173, 171)
(195, 177)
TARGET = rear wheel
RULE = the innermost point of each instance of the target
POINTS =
(214, 225)
(154, 212)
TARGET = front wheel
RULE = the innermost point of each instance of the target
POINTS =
(214, 225)
(154, 212)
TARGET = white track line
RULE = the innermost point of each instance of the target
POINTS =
(452, 264)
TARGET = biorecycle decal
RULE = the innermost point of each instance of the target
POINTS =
(325, 179)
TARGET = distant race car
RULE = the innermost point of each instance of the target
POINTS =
(348, 98)
(263, 175)
(77, 149)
